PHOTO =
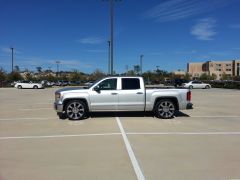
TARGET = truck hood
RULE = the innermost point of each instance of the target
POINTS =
(73, 89)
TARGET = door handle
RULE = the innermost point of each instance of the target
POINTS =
(139, 93)
(114, 93)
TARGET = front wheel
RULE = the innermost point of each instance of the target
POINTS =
(76, 110)
(19, 87)
(35, 87)
(207, 87)
(165, 109)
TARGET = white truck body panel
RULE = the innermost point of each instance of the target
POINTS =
(118, 98)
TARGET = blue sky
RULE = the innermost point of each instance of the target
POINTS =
(169, 33)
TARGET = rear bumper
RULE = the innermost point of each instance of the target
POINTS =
(58, 107)
(189, 106)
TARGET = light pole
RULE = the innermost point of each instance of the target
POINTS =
(111, 2)
(141, 57)
(12, 57)
(57, 62)
(109, 57)
(111, 32)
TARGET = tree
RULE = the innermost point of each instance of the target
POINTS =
(76, 76)
(50, 78)
(2, 75)
(150, 77)
(14, 76)
(213, 77)
(131, 73)
(204, 76)
(39, 69)
(187, 77)
(16, 68)
(29, 76)
(225, 76)
(97, 74)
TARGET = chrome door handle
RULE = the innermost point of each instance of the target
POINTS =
(139, 93)
(114, 93)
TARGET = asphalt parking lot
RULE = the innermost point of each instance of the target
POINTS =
(203, 143)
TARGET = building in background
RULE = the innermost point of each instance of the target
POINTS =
(179, 73)
(229, 68)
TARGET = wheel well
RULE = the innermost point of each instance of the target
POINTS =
(173, 99)
(80, 99)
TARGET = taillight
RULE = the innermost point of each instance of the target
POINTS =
(189, 95)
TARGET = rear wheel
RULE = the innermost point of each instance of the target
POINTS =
(35, 87)
(165, 109)
(207, 87)
(19, 87)
(190, 87)
(76, 110)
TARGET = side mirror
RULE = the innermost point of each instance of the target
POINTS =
(97, 89)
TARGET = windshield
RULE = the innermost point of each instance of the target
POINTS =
(93, 84)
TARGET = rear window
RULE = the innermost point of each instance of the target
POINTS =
(130, 83)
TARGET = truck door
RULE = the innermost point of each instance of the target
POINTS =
(132, 95)
(104, 96)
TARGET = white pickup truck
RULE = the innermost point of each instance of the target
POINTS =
(120, 94)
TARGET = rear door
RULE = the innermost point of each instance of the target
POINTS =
(131, 96)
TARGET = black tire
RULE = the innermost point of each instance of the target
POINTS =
(35, 87)
(207, 87)
(190, 87)
(19, 87)
(165, 109)
(76, 110)
(62, 115)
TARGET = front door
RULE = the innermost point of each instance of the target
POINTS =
(104, 96)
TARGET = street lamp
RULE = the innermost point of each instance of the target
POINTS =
(57, 62)
(111, 33)
(12, 57)
(109, 57)
(141, 57)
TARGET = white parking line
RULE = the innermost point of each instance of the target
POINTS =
(185, 133)
(123, 134)
(18, 119)
(58, 136)
(214, 116)
(34, 109)
(133, 159)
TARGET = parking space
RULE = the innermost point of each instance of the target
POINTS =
(202, 143)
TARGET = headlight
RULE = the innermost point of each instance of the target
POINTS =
(57, 96)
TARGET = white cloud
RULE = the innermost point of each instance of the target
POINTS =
(91, 40)
(204, 29)
(172, 10)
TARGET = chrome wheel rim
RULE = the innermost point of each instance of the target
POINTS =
(75, 110)
(166, 109)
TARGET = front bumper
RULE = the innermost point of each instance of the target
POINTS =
(189, 106)
(58, 107)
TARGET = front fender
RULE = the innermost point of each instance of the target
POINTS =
(73, 96)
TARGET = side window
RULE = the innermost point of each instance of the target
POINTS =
(130, 83)
(108, 84)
